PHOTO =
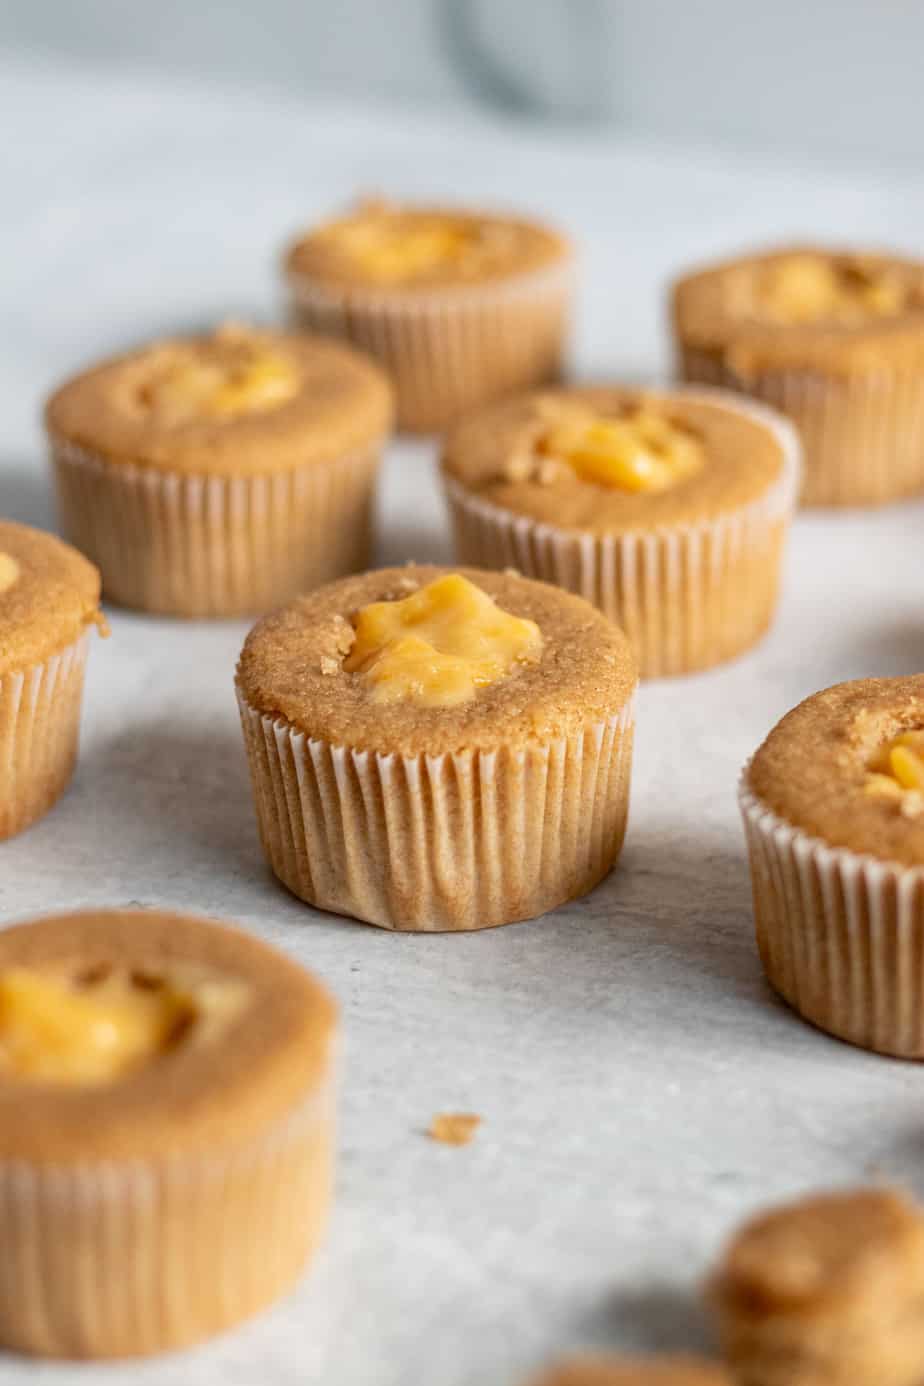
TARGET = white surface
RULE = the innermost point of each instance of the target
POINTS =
(640, 1087)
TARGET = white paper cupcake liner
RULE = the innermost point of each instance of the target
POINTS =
(841, 935)
(39, 734)
(120, 1259)
(200, 546)
(862, 435)
(449, 352)
(688, 597)
(430, 843)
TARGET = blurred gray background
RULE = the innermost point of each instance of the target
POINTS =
(833, 77)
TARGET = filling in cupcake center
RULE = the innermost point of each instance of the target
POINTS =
(810, 289)
(9, 571)
(95, 1027)
(638, 451)
(897, 769)
(395, 245)
(439, 645)
(233, 375)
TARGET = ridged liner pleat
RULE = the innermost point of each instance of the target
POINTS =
(200, 546)
(449, 353)
(457, 841)
(39, 734)
(841, 935)
(126, 1259)
(863, 435)
(688, 597)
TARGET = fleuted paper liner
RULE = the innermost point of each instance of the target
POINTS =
(126, 1258)
(688, 597)
(841, 935)
(39, 734)
(202, 546)
(862, 435)
(449, 352)
(465, 840)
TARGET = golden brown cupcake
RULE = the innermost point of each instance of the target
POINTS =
(459, 307)
(220, 475)
(166, 1113)
(438, 750)
(835, 340)
(825, 1292)
(833, 806)
(635, 1371)
(49, 599)
(666, 509)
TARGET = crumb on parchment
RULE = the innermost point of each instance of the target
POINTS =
(454, 1128)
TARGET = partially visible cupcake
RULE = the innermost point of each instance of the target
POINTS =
(219, 475)
(666, 509)
(437, 750)
(460, 307)
(833, 806)
(835, 340)
(602, 1370)
(166, 1130)
(49, 601)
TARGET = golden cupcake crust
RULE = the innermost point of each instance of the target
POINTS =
(813, 768)
(51, 600)
(510, 246)
(709, 312)
(274, 1053)
(635, 1371)
(744, 454)
(342, 404)
(292, 667)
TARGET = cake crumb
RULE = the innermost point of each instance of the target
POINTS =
(329, 665)
(454, 1128)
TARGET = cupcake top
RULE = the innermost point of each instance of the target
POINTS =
(426, 661)
(237, 401)
(804, 306)
(389, 246)
(820, 1252)
(613, 460)
(49, 594)
(112, 1024)
(847, 766)
(636, 1371)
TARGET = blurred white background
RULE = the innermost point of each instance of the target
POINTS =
(838, 77)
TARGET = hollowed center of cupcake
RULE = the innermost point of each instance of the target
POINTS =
(439, 645)
(9, 571)
(640, 450)
(231, 375)
(391, 245)
(94, 1027)
(811, 289)
(897, 769)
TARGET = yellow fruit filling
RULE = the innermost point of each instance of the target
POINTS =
(9, 571)
(55, 1029)
(808, 289)
(392, 246)
(439, 645)
(235, 375)
(639, 451)
(898, 767)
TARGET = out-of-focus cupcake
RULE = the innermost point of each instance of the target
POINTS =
(460, 307)
(835, 340)
(49, 600)
(219, 475)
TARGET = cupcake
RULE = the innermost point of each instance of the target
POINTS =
(165, 1130)
(220, 475)
(437, 750)
(49, 600)
(833, 806)
(666, 509)
(459, 307)
(635, 1371)
(825, 1292)
(833, 339)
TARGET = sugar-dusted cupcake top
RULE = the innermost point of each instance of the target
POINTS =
(847, 766)
(49, 594)
(391, 246)
(422, 660)
(111, 1023)
(804, 306)
(238, 401)
(614, 460)
(635, 1371)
